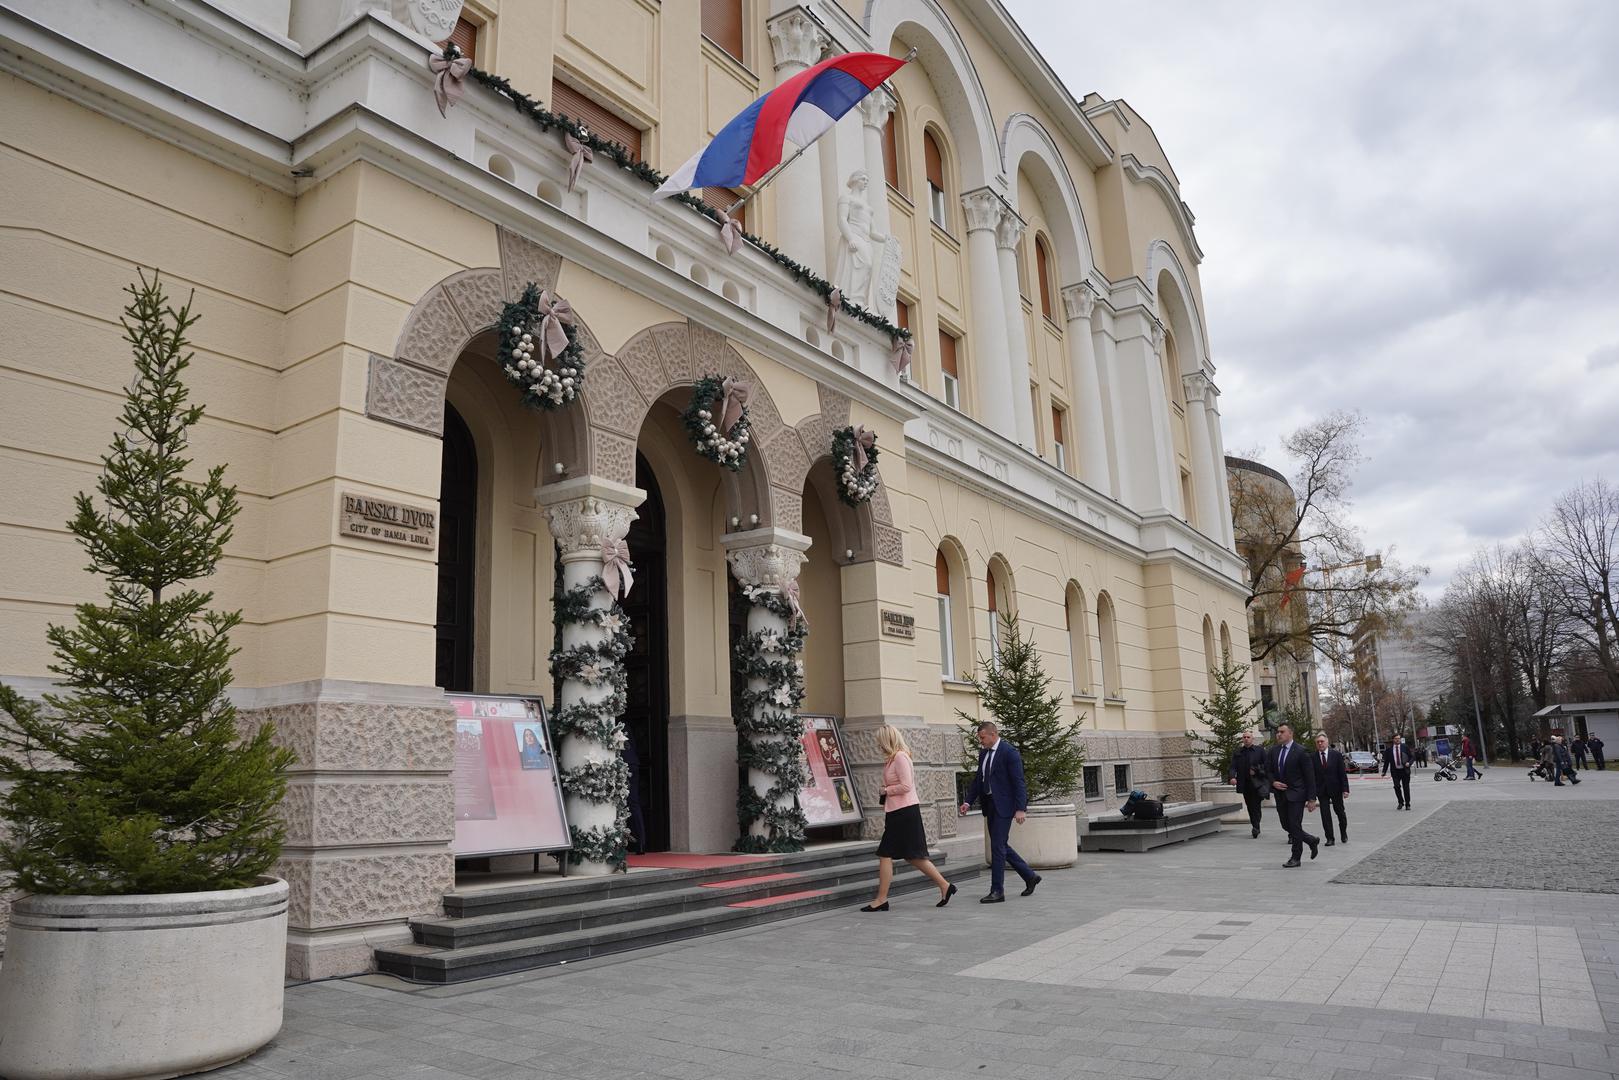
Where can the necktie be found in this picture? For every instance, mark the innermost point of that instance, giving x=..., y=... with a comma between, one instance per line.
x=989, y=763
x=1396, y=757
x=1323, y=760
x=1281, y=760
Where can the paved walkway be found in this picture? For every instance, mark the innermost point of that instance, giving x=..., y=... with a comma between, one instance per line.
x=1286, y=963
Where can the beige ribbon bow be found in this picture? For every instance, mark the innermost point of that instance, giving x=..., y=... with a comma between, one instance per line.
x=864, y=440
x=555, y=315
x=450, y=78
x=582, y=156
x=900, y=358
x=736, y=393
x=789, y=591
x=834, y=300
x=617, y=573
x=730, y=233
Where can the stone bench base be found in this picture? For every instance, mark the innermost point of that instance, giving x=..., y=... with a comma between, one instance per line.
x=1115, y=832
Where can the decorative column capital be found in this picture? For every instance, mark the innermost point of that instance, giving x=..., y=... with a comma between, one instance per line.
x=1078, y=301
x=876, y=107
x=1200, y=389
x=796, y=38
x=587, y=512
x=1009, y=231
x=1155, y=331
x=983, y=209
x=765, y=558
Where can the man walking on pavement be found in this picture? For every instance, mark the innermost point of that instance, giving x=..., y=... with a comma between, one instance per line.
x=1248, y=775
x=1562, y=762
x=1331, y=787
x=1467, y=756
x=999, y=788
x=1593, y=743
x=1397, y=764
x=1292, y=781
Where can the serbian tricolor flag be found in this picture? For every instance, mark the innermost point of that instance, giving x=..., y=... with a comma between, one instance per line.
x=799, y=111
x=1294, y=576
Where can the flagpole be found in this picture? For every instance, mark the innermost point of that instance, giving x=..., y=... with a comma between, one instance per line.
x=773, y=173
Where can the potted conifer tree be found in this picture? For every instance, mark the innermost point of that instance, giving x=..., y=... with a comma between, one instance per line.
x=134, y=803
x=1015, y=690
x=1224, y=715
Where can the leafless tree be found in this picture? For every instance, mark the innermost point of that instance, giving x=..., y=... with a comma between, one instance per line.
x=1578, y=548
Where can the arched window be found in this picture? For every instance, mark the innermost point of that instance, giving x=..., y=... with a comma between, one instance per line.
x=1079, y=641
x=938, y=203
x=1225, y=643
x=994, y=620
x=947, y=616
x=998, y=583
x=1209, y=662
x=892, y=174
x=1043, y=267
x=1107, y=636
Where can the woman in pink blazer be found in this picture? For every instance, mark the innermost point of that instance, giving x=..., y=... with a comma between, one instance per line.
x=903, y=835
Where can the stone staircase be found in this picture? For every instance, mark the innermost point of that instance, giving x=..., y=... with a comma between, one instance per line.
x=494, y=930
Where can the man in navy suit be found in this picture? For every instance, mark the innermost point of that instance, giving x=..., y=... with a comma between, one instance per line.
x=1331, y=787
x=998, y=787
x=1397, y=764
x=1292, y=779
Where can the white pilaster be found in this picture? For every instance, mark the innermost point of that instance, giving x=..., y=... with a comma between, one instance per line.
x=1090, y=436
x=1008, y=233
x=797, y=42
x=1205, y=470
x=875, y=109
x=997, y=407
x=1222, y=481
x=1142, y=416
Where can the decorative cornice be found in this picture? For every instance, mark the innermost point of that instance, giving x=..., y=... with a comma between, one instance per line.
x=1155, y=178
x=797, y=37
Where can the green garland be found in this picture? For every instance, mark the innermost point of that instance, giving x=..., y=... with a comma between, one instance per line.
x=768, y=727
x=620, y=155
x=728, y=448
x=544, y=387
x=596, y=722
x=855, y=486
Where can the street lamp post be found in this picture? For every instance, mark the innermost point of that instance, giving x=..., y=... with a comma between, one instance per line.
x=1478, y=716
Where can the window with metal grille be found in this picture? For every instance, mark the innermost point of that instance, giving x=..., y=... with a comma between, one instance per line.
x=1093, y=781
x=607, y=125
x=1121, y=779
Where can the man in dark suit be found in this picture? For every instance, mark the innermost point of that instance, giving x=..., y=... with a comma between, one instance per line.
x=1292, y=780
x=1331, y=787
x=1397, y=764
x=1247, y=774
x=999, y=788
x=1562, y=762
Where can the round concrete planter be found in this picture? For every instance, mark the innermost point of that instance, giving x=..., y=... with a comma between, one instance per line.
x=141, y=987
x=1048, y=839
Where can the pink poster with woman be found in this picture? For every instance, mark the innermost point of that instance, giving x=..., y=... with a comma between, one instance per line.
x=508, y=797
x=828, y=798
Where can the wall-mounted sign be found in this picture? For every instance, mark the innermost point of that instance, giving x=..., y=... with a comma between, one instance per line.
x=828, y=798
x=508, y=797
x=370, y=518
x=898, y=624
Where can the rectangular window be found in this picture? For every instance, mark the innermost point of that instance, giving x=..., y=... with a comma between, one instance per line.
x=570, y=102
x=722, y=24
x=902, y=319
x=1059, y=438
x=935, y=170
x=891, y=156
x=1093, y=781
x=721, y=198
x=1121, y=779
x=1267, y=699
x=465, y=38
x=949, y=370
x=936, y=207
x=947, y=651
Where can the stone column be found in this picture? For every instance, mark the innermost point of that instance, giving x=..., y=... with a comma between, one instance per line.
x=1221, y=481
x=797, y=42
x=995, y=392
x=1105, y=342
x=1008, y=233
x=767, y=560
x=1205, y=471
x=583, y=514
x=1090, y=441
x=1143, y=417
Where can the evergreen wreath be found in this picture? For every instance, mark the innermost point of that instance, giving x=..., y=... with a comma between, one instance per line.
x=702, y=417
x=855, y=486
x=768, y=728
x=597, y=722
x=544, y=386
x=620, y=155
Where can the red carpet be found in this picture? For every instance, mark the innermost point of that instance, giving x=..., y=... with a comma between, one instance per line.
x=766, y=901
x=685, y=860
x=728, y=882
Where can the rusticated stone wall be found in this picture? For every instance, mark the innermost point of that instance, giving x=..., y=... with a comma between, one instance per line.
x=935, y=757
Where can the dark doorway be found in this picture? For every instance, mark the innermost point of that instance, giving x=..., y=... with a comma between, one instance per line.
x=646, y=714
x=457, y=554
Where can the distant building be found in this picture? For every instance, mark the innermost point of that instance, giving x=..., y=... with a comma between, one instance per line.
x=1403, y=660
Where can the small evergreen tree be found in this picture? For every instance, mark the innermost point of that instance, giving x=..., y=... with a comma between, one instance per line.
x=1224, y=716
x=1015, y=690
x=136, y=780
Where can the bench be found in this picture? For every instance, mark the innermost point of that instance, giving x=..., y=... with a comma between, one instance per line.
x=1113, y=831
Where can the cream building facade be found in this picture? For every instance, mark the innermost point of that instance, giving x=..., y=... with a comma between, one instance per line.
x=1055, y=449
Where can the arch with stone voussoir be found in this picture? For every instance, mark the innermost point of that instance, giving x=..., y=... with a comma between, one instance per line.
x=598, y=437
x=1027, y=146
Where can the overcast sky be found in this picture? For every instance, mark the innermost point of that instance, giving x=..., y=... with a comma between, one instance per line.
x=1408, y=208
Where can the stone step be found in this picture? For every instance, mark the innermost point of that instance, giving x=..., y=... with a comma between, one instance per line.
x=425, y=963
x=458, y=933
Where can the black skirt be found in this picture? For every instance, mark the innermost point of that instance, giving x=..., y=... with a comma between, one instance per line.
x=903, y=835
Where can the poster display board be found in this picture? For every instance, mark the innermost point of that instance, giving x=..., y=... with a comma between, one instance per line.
x=508, y=796
x=828, y=798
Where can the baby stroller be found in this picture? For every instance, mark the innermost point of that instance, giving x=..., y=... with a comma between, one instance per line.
x=1444, y=769
x=1541, y=771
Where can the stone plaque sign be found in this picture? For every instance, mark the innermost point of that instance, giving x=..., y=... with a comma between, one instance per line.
x=898, y=624
x=367, y=518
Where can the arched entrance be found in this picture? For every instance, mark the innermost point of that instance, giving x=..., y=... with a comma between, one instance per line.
x=457, y=555
x=646, y=713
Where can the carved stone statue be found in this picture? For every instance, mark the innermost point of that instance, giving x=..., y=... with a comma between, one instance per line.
x=857, y=242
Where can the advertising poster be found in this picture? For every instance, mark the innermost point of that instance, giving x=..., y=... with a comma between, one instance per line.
x=508, y=798
x=828, y=798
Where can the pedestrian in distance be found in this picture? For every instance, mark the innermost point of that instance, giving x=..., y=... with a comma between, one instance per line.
x=1467, y=756
x=903, y=835
x=1593, y=743
x=1421, y=754
x=1247, y=774
x=999, y=789
x=1331, y=788
x=1397, y=766
x=1292, y=780
x=1562, y=762
x=1535, y=749
x=1579, y=747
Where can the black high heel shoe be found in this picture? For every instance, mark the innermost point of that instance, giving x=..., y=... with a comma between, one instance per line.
x=880, y=907
x=948, y=894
